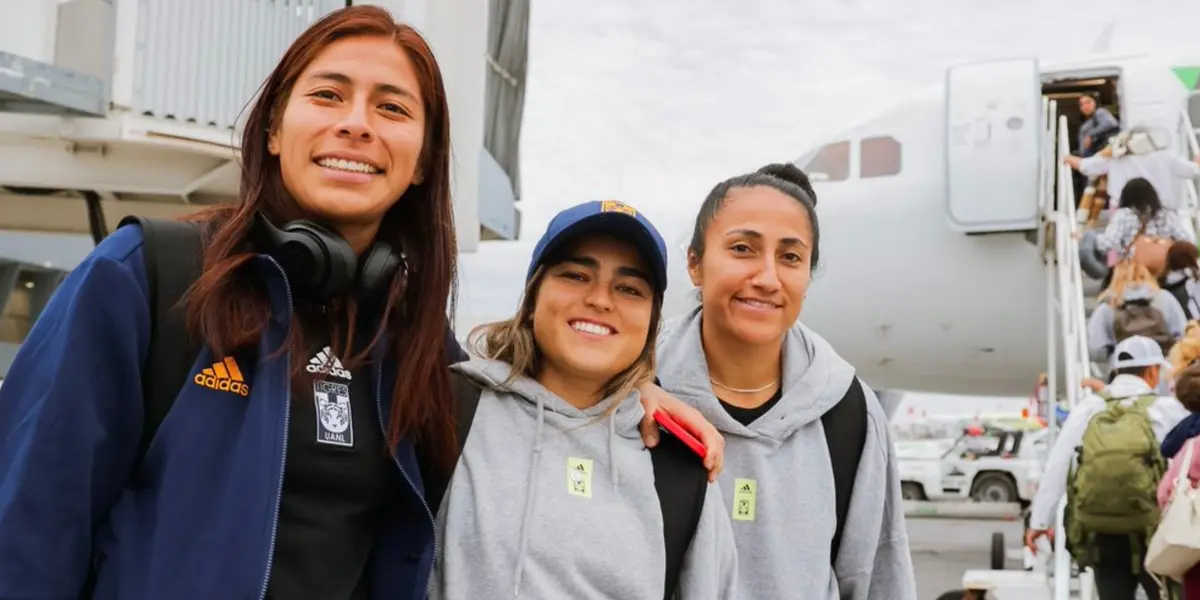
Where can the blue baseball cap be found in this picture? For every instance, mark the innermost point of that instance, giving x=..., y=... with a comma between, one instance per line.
x=604, y=217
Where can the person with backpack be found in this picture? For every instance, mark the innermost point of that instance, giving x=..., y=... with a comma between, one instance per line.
x=1185, y=433
x=245, y=404
x=1182, y=277
x=1113, y=438
x=811, y=477
x=554, y=495
x=1133, y=304
x=1141, y=229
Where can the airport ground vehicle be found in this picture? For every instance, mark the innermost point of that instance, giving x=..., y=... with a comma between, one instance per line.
x=996, y=465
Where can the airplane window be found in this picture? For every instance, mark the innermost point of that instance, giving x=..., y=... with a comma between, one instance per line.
x=880, y=157
x=831, y=163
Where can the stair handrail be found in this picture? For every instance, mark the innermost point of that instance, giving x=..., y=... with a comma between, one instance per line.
x=1191, y=198
x=1073, y=327
x=1071, y=298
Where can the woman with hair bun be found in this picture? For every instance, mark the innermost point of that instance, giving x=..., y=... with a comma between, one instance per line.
x=810, y=474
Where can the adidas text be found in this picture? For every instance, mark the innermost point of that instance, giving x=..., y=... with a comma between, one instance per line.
x=222, y=385
x=223, y=376
x=334, y=370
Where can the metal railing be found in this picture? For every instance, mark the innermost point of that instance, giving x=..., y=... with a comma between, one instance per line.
x=1191, y=199
x=1068, y=306
x=1072, y=311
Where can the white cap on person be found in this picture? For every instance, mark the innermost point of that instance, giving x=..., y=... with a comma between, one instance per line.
x=1138, y=351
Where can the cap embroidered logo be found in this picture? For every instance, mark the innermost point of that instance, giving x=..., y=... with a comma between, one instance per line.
x=616, y=206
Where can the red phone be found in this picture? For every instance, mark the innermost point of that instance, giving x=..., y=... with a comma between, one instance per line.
x=671, y=425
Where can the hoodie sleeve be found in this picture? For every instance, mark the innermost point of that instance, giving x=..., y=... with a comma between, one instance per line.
x=70, y=420
x=1184, y=169
x=1094, y=166
x=1103, y=122
x=874, y=562
x=1053, y=484
x=710, y=567
x=1100, y=337
x=1172, y=313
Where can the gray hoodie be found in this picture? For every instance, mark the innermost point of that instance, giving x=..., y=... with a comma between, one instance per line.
x=552, y=502
x=784, y=544
x=1101, y=337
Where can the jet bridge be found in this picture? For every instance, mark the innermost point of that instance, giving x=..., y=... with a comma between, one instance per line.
x=108, y=102
x=116, y=107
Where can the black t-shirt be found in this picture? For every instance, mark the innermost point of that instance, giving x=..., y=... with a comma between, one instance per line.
x=338, y=483
x=746, y=416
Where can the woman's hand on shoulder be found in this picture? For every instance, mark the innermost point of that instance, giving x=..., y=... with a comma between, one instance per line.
x=655, y=398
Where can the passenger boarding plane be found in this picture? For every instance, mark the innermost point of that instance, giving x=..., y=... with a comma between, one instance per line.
x=932, y=275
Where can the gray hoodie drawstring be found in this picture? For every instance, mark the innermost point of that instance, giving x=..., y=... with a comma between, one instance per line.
x=530, y=491
x=612, y=453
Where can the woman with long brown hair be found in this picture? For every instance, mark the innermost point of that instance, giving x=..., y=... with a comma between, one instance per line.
x=288, y=465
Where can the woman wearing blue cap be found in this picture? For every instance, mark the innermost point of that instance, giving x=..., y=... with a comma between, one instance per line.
x=555, y=495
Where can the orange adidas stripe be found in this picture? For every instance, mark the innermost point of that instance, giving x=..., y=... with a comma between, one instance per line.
x=234, y=371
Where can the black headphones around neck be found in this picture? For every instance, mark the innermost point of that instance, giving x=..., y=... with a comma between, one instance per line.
x=321, y=265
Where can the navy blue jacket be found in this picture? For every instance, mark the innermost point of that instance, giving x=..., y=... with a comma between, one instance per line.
x=198, y=518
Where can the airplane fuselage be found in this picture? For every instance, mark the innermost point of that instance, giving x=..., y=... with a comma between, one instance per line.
x=913, y=302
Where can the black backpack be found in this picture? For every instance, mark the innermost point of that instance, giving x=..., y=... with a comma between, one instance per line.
x=1179, y=290
x=173, y=254
x=681, y=480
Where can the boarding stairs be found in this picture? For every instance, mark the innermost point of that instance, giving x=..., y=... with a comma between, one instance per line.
x=1071, y=294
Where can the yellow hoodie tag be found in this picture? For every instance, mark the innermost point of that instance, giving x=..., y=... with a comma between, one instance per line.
x=579, y=477
x=744, y=491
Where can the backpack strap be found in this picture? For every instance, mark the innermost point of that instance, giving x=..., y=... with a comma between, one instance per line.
x=1144, y=401
x=846, y=433
x=680, y=480
x=173, y=254
x=466, y=399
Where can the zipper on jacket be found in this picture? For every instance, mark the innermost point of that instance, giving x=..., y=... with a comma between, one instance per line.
x=287, y=414
x=411, y=485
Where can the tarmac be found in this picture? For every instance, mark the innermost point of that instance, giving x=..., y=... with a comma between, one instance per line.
x=942, y=549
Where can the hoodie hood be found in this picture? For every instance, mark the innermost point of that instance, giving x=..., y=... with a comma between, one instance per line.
x=624, y=422
x=1173, y=278
x=814, y=378
x=1138, y=292
x=533, y=510
x=779, y=481
x=1184, y=431
x=491, y=375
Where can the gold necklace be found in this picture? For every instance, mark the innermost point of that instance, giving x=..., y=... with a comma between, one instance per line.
x=738, y=391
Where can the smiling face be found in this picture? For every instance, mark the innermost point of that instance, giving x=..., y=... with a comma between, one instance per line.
x=350, y=137
x=593, y=312
x=755, y=268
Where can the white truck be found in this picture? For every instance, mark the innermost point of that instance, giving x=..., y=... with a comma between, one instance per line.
x=996, y=465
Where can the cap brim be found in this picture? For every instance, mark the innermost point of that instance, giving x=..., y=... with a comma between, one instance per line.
x=618, y=225
x=1141, y=362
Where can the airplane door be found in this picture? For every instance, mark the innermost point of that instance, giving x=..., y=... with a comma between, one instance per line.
x=993, y=145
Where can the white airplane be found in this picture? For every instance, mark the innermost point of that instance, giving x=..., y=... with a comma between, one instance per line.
x=932, y=275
